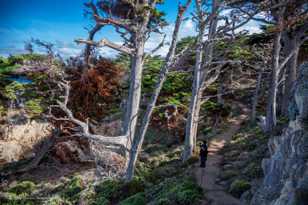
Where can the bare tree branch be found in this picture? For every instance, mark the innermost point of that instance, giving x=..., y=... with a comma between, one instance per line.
x=107, y=43
x=108, y=140
x=159, y=46
x=125, y=24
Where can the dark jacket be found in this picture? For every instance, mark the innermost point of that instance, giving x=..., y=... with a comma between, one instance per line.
x=203, y=154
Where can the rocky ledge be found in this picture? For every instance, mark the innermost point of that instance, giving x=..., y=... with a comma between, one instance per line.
x=286, y=170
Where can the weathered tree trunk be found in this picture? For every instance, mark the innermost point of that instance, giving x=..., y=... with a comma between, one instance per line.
x=138, y=140
x=134, y=96
x=220, y=91
x=199, y=78
x=87, y=50
x=271, y=118
x=196, y=119
x=190, y=130
x=256, y=96
x=291, y=71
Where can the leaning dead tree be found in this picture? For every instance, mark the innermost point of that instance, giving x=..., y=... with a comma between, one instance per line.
x=135, y=22
x=84, y=126
x=207, y=71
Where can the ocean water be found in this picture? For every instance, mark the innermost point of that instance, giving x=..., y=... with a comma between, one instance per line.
x=20, y=79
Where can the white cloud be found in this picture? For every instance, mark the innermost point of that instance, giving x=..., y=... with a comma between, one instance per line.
x=107, y=52
x=69, y=51
x=252, y=27
x=187, y=29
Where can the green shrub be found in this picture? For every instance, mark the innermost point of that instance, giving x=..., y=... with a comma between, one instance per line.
x=24, y=187
x=211, y=106
x=142, y=170
x=19, y=194
x=137, y=199
x=130, y=188
x=212, y=89
x=11, y=89
x=3, y=61
x=15, y=59
x=238, y=187
x=73, y=188
x=114, y=190
x=225, y=175
x=214, y=107
x=192, y=160
x=181, y=191
x=6, y=69
x=57, y=200
x=206, y=130
x=2, y=110
x=33, y=107
x=184, y=42
x=38, y=77
x=283, y=120
x=15, y=200
x=108, y=189
x=257, y=131
x=237, y=136
x=177, y=82
x=244, y=142
x=238, y=52
x=34, y=57
x=254, y=170
x=100, y=200
x=160, y=173
x=151, y=69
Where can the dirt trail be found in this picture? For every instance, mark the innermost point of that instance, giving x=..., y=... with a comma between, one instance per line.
x=207, y=180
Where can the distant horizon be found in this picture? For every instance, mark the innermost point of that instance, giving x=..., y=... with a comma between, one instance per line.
x=61, y=22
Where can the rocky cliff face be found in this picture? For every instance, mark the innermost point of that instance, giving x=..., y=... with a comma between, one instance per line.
x=286, y=171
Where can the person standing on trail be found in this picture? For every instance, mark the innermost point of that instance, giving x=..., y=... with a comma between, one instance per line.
x=203, y=157
x=203, y=154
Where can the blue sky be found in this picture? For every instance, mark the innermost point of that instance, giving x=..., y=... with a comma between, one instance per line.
x=60, y=22
x=57, y=21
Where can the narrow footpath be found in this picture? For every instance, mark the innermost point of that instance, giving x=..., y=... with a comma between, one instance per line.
x=214, y=193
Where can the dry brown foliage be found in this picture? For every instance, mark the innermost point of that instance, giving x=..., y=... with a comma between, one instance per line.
x=95, y=91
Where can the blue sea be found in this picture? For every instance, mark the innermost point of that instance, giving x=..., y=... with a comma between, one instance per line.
x=20, y=79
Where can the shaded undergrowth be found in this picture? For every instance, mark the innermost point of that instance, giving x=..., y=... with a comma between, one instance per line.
x=243, y=155
x=161, y=178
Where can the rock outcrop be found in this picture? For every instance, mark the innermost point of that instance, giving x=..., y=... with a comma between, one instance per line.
x=286, y=171
x=21, y=138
